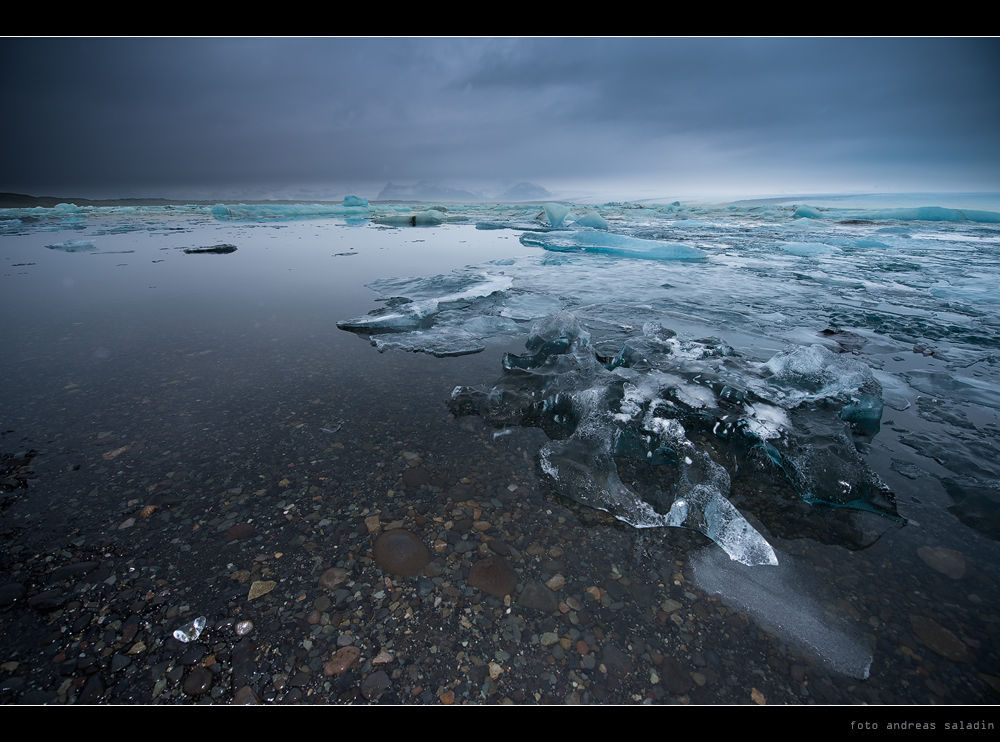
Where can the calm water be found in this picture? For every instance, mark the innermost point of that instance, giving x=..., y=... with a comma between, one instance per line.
x=117, y=337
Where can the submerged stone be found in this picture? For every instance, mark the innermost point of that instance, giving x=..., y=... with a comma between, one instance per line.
x=400, y=552
x=493, y=575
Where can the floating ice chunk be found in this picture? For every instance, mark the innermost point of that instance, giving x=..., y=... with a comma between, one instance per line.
x=593, y=219
x=530, y=306
x=936, y=214
x=556, y=214
x=611, y=244
x=808, y=212
x=73, y=245
x=809, y=249
x=560, y=326
x=428, y=218
x=815, y=372
x=780, y=599
x=355, y=201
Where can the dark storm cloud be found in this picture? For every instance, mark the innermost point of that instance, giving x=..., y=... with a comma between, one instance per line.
x=123, y=117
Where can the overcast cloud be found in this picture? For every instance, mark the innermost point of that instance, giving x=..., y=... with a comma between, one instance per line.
x=322, y=117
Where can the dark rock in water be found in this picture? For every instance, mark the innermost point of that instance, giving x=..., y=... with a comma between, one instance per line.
x=400, y=552
x=333, y=578
x=246, y=696
x=938, y=639
x=11, y=592
x=615, y=660
x=48, y=600
x=375, y=685
x=241, y=530
x=217, y=249
x=93, y=691
x=946, y=561
x=198, y=682
x=73, y=570
x=674, y=678
x=538, y=596
x=416, y=477
x=493, y=575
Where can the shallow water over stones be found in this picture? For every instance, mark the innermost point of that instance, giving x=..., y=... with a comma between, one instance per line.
x=250, y=409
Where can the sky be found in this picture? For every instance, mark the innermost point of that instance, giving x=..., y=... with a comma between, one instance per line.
x=583, y=117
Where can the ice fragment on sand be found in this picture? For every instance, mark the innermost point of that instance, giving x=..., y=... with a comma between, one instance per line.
x=190, y=632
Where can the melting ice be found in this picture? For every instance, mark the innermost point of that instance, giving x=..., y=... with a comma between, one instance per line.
x=723, y=370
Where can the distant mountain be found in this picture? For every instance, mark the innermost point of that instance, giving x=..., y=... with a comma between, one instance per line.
x=425, y=191
x=525, y=192
x=428, y=191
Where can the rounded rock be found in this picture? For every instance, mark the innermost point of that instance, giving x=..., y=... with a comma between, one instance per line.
x=493, y=575
x=341, y=662
x=400, y=552
x=198, y=682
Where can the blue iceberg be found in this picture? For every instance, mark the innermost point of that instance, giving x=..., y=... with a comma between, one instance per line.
x=617, y=245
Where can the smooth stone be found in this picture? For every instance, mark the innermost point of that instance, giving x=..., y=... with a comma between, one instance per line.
x=673, y=677
x=246, y=696
x=11, y=593
x=341, y=661
x=198, y=682
x=615, y=660
x=938, y=639
x=375, y=684
x=261, y=587
x=333, y=578
x=400, y=552
x=235, y=533
x=493, y=575
x=416, y=476
x=946, y=561
x=536, y=595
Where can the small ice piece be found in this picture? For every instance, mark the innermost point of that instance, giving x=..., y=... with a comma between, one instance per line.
x=593, y=219
x=815, y=373
x=808, y=212
x=73, y=245
x=809, y=249
x=355, y=201
x=190, y=632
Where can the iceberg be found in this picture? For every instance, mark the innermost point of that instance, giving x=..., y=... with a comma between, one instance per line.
x=616, y=245
x=592, y=219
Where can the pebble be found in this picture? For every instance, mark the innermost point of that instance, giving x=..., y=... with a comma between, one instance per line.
x=198, y=682
x=400, y=552
x=946, y=561
x=493, y=575
x=940, y=640
x=260, y=587
x=538, y=596
x=341, y=661
x=333, y=578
